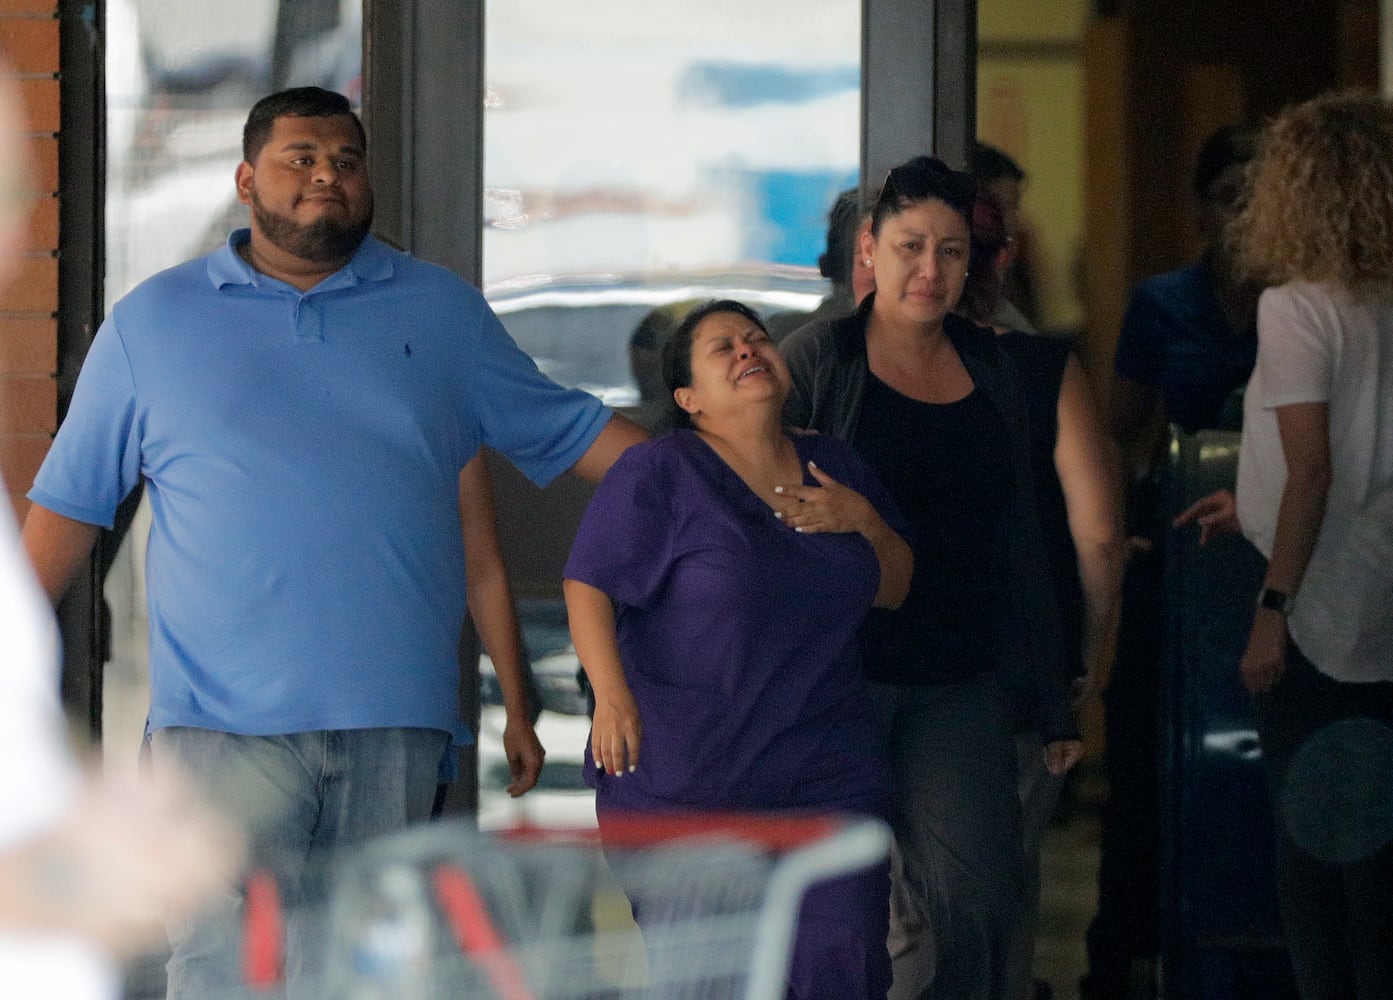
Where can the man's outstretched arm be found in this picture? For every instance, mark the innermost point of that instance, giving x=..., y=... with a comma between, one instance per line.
x=618, y=434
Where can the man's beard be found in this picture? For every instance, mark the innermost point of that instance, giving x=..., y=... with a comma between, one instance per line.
x=324, y=241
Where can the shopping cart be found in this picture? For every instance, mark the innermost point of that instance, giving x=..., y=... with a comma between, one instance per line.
x=443, y=911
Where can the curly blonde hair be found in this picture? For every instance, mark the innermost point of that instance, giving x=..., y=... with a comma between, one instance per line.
x=1321, y=202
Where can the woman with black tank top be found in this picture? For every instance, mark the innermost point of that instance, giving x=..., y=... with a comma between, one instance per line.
x=937, y=409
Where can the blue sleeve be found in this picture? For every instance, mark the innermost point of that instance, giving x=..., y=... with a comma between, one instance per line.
x=1139, y=343
x=625, y=540
x=95, y=460
x=541, y=427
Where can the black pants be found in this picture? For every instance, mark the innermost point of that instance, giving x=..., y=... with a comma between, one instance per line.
x=1126, y=923
x=1328, y=749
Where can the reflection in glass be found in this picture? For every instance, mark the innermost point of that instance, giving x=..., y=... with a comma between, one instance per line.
x=658, y=154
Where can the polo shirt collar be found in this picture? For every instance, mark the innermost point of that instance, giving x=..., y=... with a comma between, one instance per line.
x=373, y=261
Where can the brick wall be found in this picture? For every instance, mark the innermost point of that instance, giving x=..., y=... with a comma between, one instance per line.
x=29, y=295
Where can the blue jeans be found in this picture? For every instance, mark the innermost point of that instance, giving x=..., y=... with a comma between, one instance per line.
x=300, y=798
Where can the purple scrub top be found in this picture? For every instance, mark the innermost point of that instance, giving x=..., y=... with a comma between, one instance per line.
x=737, y=634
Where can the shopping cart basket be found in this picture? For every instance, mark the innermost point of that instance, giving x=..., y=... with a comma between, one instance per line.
x=443, y=911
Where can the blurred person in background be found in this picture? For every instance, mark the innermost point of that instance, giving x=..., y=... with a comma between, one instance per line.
x=1186, y=348
x=1079, y=496
x=1004, y=180
x=1315, y=497
x=839, y=263
x=1189, y=336
x=654, y=410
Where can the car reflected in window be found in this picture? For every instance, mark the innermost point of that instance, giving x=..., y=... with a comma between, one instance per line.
x=583, y=330
x=561, y=797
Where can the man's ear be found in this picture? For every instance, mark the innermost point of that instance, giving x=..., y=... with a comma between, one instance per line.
x=243, y=178
x=1003, y=260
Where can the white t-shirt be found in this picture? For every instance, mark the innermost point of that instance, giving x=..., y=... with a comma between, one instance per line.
x=1320, y=344
x=38, y=777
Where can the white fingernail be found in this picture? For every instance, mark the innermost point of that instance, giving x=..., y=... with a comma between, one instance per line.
x=778, y=489
x=633, y=768
x=779, y=514
x=799, y=530
x=812, y=465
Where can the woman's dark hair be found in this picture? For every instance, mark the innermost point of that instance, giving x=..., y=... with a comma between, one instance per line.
x=302, y=102
x=677, y=350
x=923, y=179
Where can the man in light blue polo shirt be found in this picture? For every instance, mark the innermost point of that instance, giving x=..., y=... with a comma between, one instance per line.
x=300, y=404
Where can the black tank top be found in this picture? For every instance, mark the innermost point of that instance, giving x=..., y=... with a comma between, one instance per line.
x=1041, y=361
x=947, y=467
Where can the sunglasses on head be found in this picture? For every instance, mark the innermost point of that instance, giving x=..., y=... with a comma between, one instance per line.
x=927, y=177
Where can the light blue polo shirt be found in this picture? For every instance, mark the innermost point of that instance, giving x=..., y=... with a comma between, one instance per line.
x=305, y=568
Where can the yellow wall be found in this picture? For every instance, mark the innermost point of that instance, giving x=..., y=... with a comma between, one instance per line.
x=1039, y=20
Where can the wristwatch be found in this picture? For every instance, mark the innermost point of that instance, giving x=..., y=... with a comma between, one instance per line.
x=1275, y=600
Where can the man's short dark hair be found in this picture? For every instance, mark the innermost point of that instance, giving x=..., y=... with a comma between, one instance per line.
x=991, y=164
x=302, y=102
x=842, y=222
x=1227, y=146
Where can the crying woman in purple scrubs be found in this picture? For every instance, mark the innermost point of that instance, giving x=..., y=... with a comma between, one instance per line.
x=715, y=590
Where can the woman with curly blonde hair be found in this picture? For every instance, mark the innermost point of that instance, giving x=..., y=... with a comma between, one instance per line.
x=1315, y=495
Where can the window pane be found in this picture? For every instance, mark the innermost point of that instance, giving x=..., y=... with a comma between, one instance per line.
x=640, y=154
